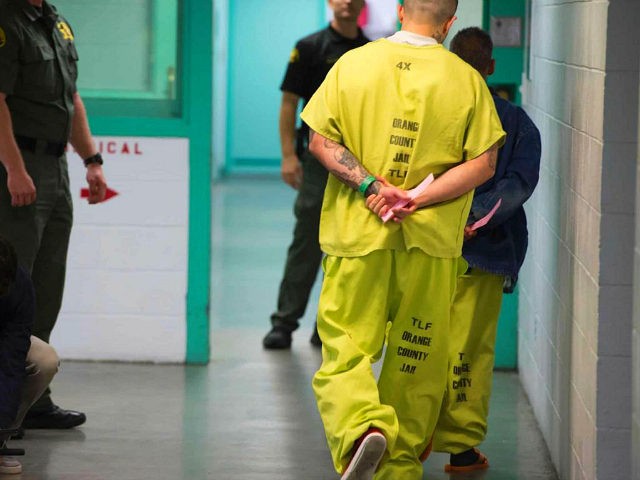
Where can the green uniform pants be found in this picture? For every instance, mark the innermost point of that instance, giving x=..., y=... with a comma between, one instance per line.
x=360, y=295
x=304, y=255
x=474, y=319
x=40, y=234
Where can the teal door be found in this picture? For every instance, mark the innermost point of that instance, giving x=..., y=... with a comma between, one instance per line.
x=146, y=72
x=261, y=37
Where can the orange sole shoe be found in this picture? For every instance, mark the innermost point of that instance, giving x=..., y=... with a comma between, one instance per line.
x=480, y=464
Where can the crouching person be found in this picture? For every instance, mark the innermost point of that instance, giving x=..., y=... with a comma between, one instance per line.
x=27, y=364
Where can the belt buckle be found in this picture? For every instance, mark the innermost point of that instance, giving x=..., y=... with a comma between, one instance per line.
x=39, y=146
x=55, y=149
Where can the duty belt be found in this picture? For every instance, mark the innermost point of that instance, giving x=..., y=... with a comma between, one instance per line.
x=35, y=145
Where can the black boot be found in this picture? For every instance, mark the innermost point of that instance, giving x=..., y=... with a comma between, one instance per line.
x=277, y=339
x=315, y=338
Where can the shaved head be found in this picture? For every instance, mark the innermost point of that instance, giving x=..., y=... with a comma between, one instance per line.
x=435, y=12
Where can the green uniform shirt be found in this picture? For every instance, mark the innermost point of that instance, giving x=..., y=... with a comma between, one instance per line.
x=404, y=111
x=38, y=69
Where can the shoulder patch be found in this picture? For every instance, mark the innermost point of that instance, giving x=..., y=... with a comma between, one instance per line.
x=3, y=38
x=65, y=31
x=295, y=56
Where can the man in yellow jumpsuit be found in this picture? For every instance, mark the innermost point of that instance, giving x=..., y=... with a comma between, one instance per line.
x=495, y=253
x=400, y=108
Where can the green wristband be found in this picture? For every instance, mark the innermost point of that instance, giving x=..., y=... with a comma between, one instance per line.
x=366, y=183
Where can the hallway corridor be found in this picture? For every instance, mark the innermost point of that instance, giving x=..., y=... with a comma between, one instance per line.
x=250, y=414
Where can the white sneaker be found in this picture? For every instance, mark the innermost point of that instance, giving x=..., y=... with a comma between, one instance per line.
x=9, y=465
x=367, y=456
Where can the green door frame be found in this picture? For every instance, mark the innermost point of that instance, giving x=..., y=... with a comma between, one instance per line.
x=195, y=124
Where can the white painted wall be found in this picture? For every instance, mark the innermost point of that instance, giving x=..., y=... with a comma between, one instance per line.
x=576, y=289
x=469, y=14
x=127, y=267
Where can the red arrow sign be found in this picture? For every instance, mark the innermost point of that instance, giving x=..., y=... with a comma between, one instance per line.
x=84, y=193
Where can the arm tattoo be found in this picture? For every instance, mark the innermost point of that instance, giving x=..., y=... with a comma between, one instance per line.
x=353, y=172
x=373, y=189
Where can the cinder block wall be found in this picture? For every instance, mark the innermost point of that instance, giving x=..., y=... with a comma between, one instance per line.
x=635, y=425
x=636, y=340
x=617, y=239
x=576, y=287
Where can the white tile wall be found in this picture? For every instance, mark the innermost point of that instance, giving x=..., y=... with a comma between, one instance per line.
x=576, y=286
x=122, y=337
x=127, y=267
x=586, y=227
x=583, y=373
x=585, y=172
x=585, y=310
x=582, y=433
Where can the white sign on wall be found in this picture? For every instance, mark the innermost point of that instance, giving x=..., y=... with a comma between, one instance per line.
x=125, y=295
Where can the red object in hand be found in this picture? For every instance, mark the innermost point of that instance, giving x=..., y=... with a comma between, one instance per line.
x=84, y=193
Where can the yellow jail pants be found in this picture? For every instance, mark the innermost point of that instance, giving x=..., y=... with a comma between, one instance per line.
x=360, y=295
x=474, y=319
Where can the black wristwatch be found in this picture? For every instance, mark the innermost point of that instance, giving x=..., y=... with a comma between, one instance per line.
x=97, y=158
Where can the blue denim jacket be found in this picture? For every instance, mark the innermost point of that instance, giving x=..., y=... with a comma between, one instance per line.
x=500, y=246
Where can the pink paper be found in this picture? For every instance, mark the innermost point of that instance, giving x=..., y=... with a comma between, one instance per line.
x=484, y=220
x=413, y=193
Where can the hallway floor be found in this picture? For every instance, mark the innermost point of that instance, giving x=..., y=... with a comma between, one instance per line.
x=250, y=414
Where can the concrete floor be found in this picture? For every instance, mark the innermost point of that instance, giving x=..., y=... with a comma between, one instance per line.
x=249, y=414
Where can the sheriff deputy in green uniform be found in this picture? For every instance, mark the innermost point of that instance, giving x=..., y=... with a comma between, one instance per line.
x=310, y=61
x=40, y=112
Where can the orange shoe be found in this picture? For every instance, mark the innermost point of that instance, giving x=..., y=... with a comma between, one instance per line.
x=480, y=463
x=368, y=452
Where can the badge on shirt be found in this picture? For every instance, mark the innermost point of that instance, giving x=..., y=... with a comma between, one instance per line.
x=3, y=38
x=295, y=56
x=65, y=30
